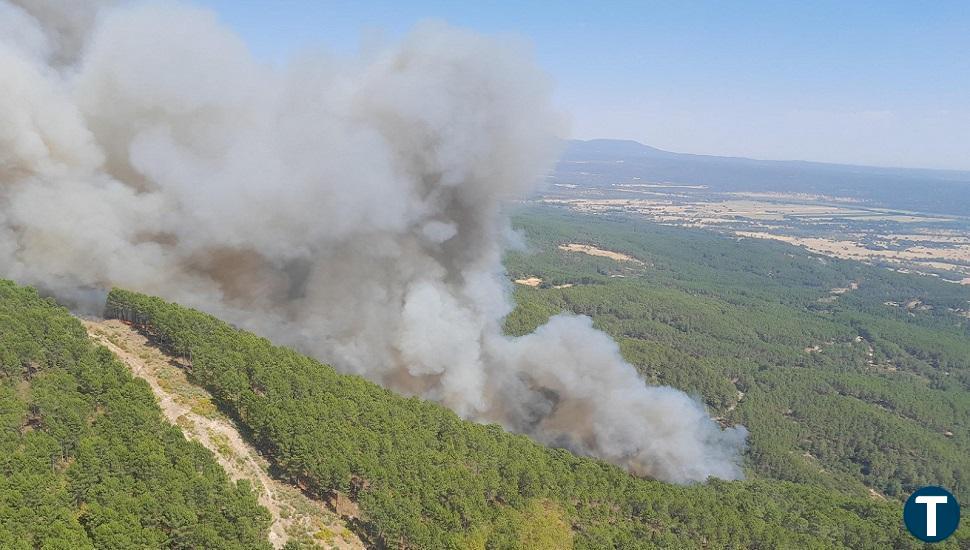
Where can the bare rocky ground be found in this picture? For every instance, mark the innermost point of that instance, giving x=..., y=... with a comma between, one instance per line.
x=294, y=515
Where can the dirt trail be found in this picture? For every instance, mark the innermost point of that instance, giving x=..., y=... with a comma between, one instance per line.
x=295, y=516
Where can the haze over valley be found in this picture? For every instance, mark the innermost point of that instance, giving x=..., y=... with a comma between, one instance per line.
x=906, y=219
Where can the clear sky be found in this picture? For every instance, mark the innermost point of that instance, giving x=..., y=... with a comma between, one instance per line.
x=882, y=83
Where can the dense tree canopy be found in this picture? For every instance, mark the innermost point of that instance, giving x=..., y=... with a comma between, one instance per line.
x=86, y=459
x=866, y=387
x=425, y=478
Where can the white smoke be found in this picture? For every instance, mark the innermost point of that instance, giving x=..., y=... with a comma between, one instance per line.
x=352, y=208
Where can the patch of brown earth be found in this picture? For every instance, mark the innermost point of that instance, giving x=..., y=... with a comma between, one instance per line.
x=594, y=251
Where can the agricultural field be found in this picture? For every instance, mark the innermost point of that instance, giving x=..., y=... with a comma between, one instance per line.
x=846, y=215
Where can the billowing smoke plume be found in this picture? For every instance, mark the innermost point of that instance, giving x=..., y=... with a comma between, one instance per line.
x=352, y=208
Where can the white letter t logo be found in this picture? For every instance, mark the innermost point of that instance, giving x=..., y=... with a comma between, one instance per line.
x=931, y=503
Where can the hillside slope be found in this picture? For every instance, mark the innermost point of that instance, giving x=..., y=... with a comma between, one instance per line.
x=86, y=459
x=296, y=519
x=424, y=478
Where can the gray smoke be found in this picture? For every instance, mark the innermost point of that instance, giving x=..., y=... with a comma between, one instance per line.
x=350, y=207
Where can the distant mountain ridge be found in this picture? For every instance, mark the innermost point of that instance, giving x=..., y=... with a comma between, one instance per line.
x=628, y=147
x=601, y=162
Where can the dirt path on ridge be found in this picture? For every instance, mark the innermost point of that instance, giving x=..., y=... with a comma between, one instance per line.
x=294, y=515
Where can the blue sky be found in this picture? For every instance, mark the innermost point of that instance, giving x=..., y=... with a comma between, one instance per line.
x=884, y=83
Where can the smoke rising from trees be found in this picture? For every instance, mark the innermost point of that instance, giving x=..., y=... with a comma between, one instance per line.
x=349, y=207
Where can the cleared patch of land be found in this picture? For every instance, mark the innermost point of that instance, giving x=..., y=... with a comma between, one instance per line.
x=536, y=281
x=295, y=517
x=594, y=251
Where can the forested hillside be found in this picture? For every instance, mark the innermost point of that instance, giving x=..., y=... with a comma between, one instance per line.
x=86, y=460
x=423, y=478
x=853, y=381
x=848, y=376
